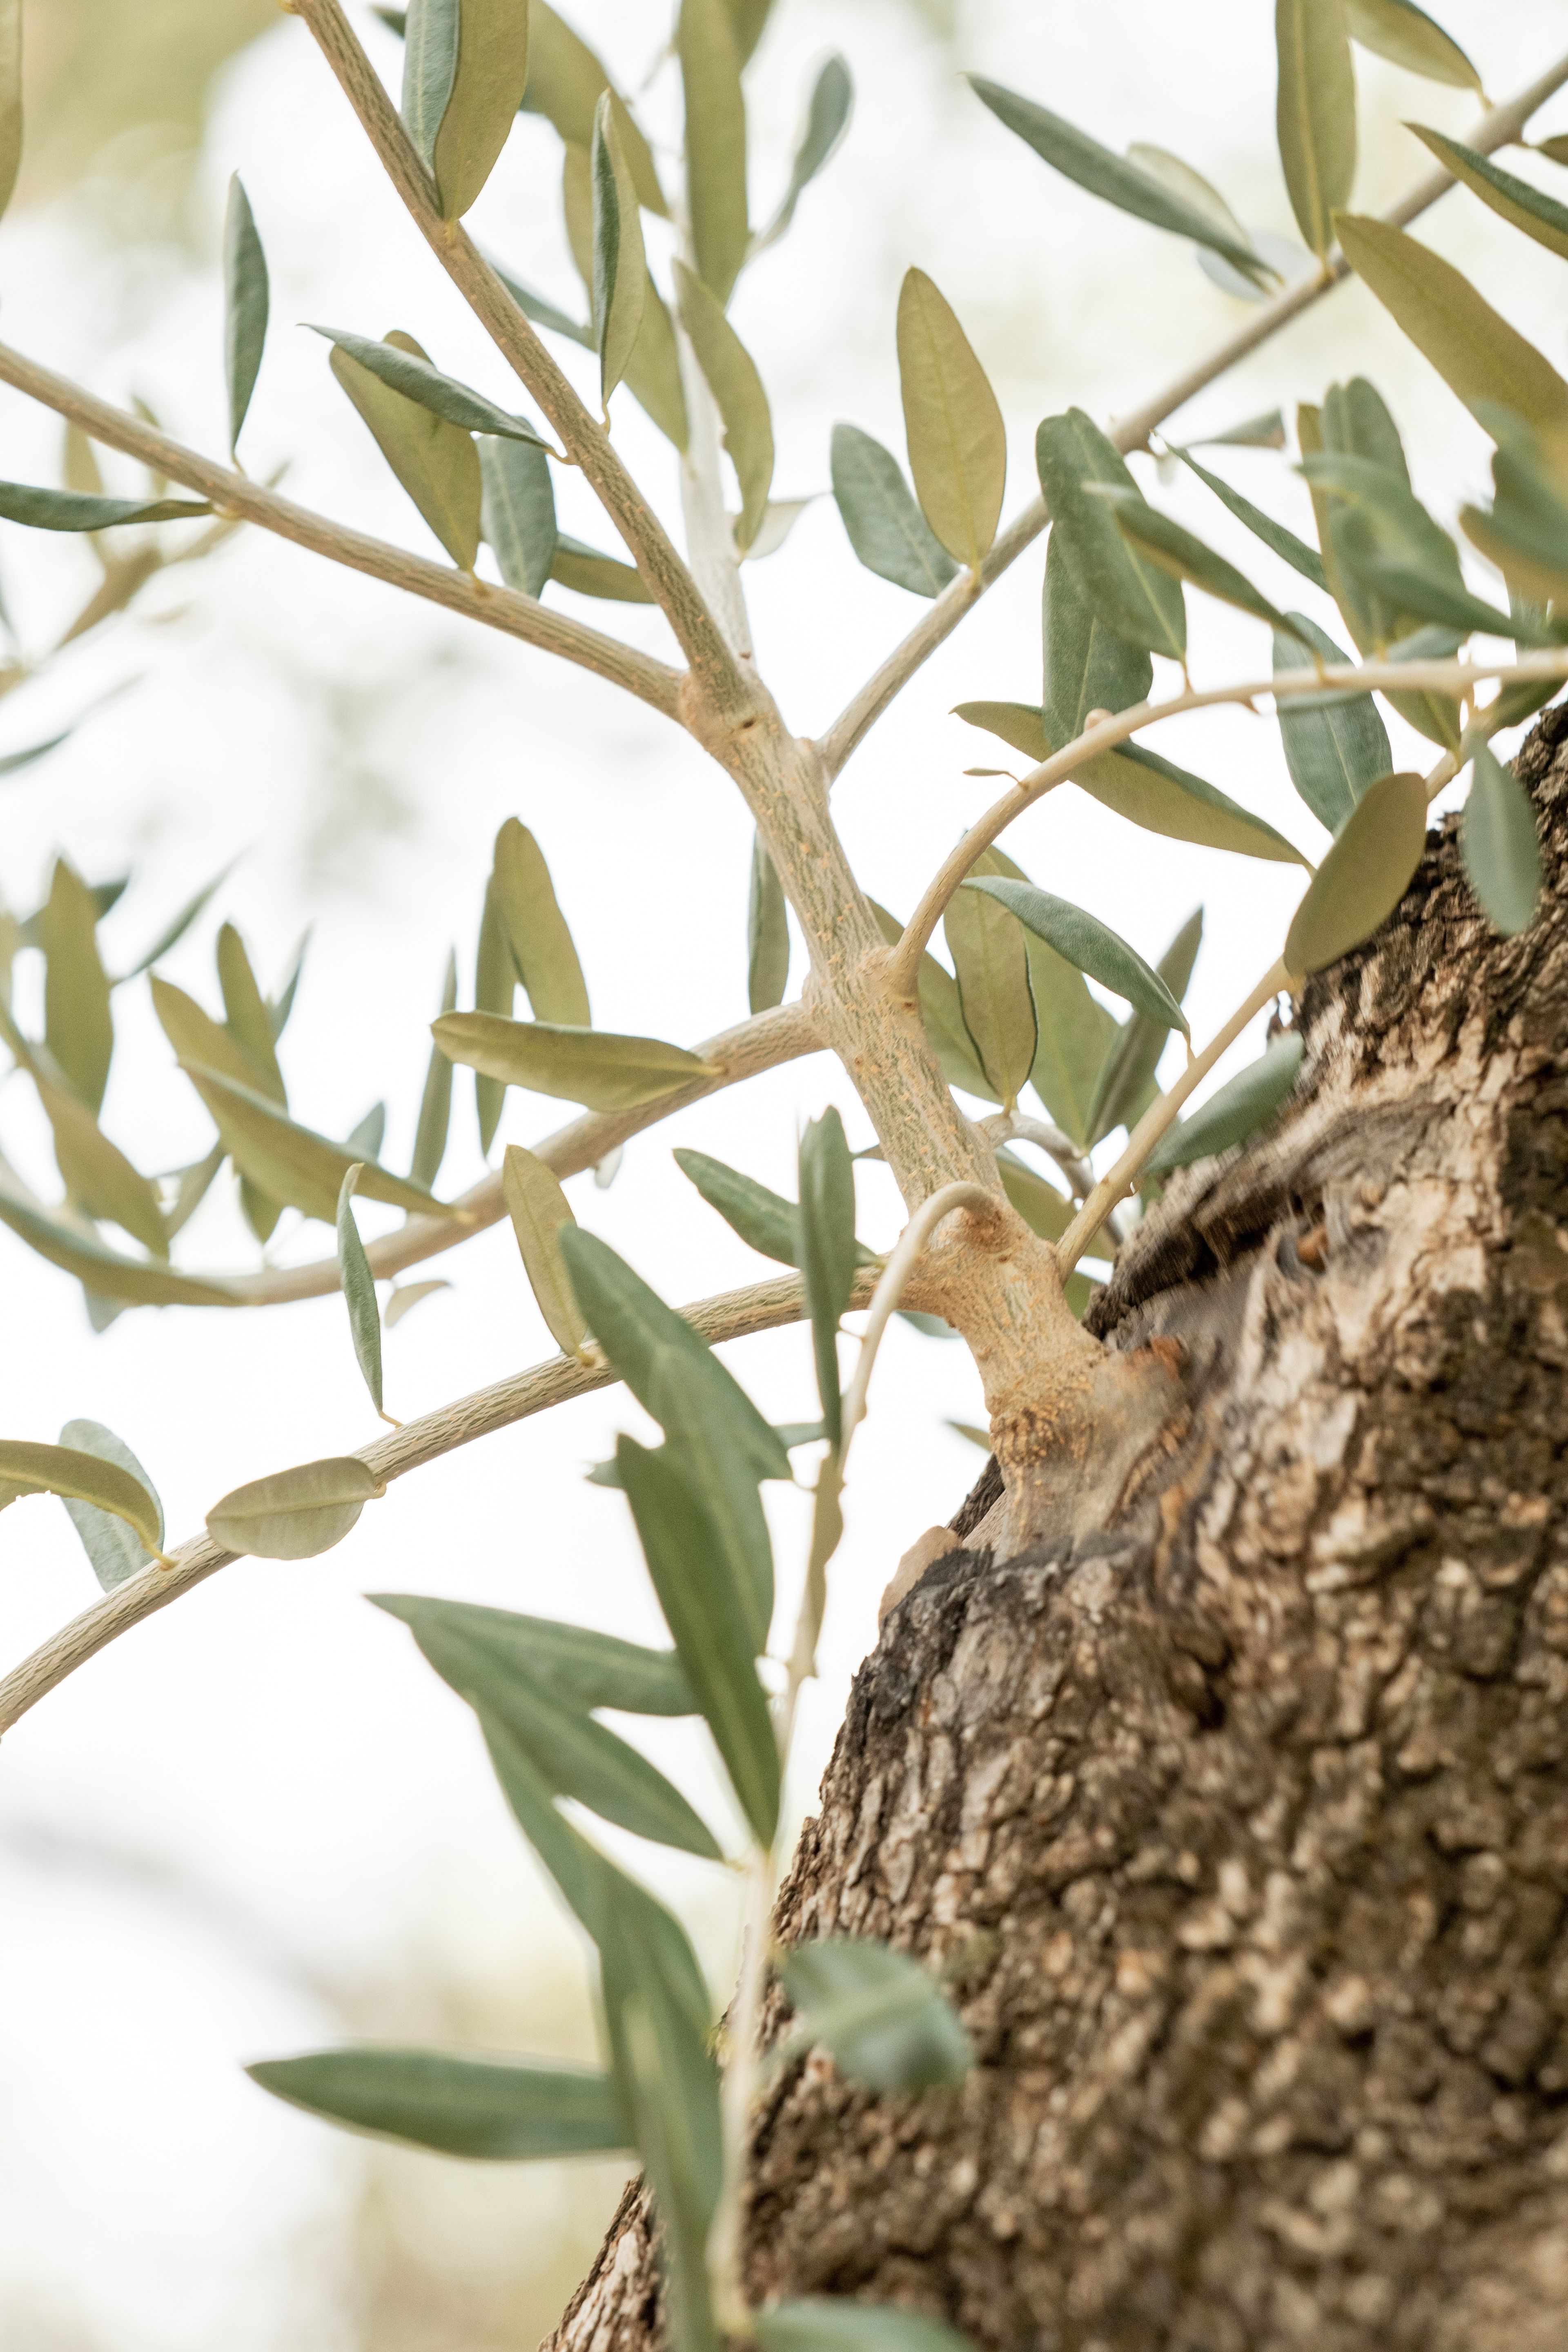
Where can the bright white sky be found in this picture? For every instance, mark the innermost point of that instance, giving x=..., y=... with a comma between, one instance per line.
x=264, y=1790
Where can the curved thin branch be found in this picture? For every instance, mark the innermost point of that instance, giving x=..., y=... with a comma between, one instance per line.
x=1013, y=1126
x=1419, y=676
x=699, y=636
x=233, y=494
x=1496, y=128
x=763, y=1306
x=893, y=1280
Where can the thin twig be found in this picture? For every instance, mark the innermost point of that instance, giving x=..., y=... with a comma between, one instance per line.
x=1013, y=1126
x=891, y=1283
x=1495, y=128
x=1417, y=676
x=736, y=1315
x=232, y=493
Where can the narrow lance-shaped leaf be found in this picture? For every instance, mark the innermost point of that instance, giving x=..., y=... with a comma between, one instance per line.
x=592, y=574
x=517, y=512
x=505, y=2110
x=1333, y=752
x=435, y=460
x=539, y=1208
x=544, y=313
x=10, y=96
x=175, y=929
x=826, y=118
x=579, y=1668
x=495, y=992
x=886, y=528
x=1539, y=215
x=368, y=1134
x=245, y=306
x=486, y=88
x=820, y=2322
x=290, y=1162
x=715, y=144
x=1364, y=875
x=1526, y=532
x=620, y=266
x=435, y=1103
x=564, y=80
x=294, y=1514
x=1503, y=855
x=669, y=2104
x=764, y=1219
x=591, y=1066
x=96, y=1173
x=957, y=442
x=827, y=1254
x=1281, y=542
x=535, y=928
x=43, y=509
x=1081, y=159
x=399, y=364
x=1179, y=552
x=1233, y=1111
x=991, y=961
x=359, y=1289
x=767, y=932
x=942, y=1017
x=79, y=1027
x=430, y=37
x=1086, y=665
x=196, y=1037
x=736, y=388
x=1133, y=597
x=404, y=1297
x=79, y=1477
x=1088, y=943
x=1407, y=36
x=102, y=1272
x=112, y=1546
x=247, y=1017
x=886, y=2023
x=1125, y=1083
x=1316, y=113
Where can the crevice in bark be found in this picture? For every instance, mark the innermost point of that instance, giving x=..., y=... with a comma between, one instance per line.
x=1240, y=1827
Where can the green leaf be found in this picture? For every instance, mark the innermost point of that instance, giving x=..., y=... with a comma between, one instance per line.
x=564, y=80
x=1315, y=114
x=1087, y=943
x=1083, y=160
x=590, y=573
x=747, y=20
x=689, y=1564
x=1020, y=724
x=435, y=1103
x=1364, y=875
x=503, y=2110
x=819, y=2323
x=1086, y=665
x=102, y=1271
x=81, y=1475
x=1526, y=532
x=886, y=528
x=545, y=314
x=400, y=364
x=1514, y=200
x=715, y=144
x=495, y=991
x=1555, y=150
x=767, y=932
x=671, y=2091
x=886, y=2023
x=1233, y=1111
x=487, y=85
x=1385, y=539
x=96, y=1173
x=75, y=511
x=575, y=1756
x=10, y=96
x=1478, y=354
x=294, y=1514
x=435, y=460
x=1076, y=1034
x=1502, y=855
x=1190, y=188
x=538, y=1209
x=430, y=38
x=1124, y=1086
x=591, y=1066
x=764, y=1220
x=404, y=1297
x=197, y=1038
x=110, y=1543
x=247, y=1017
x=827, y=1252
x=535, y=928
x=579, y=1668
x=1265, y=432
x=992, y=965
x=653, y=372
x=1153, y=793
x=175, y=929
x=517, y=512
x=713, y=1429
x=943, y=1016
x=281, y=1005
x=368, y=1134
x=359, y=1288
x=245, y=306
x=290, y=1162
x=737, y=389
x=1406, y=36
x=1333, y=750
x=1043, y=1209
x=78, y=1027
x=1274, y=535
x=1179, y=552
x=620, y=266
x=957, y=441
x=826, y=118
x=1131, y=596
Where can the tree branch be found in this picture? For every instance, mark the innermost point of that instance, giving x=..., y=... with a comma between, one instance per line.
x=701, y=640
x=651, y=681
x=763, y=1306
x=1496, y=128
x=1418, y=676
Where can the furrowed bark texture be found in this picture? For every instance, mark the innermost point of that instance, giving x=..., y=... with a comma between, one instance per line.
x=1240, y=1827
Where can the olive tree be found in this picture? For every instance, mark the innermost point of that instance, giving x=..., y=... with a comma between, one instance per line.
x=1177, y=1956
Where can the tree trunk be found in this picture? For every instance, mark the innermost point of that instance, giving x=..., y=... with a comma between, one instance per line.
x=1240, y=1827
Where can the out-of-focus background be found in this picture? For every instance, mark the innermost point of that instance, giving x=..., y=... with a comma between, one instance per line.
x=260, y=1823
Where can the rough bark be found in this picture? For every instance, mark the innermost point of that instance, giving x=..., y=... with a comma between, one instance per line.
x=1240, y=1827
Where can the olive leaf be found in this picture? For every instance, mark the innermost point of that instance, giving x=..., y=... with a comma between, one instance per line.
x=565, y=82
x=1364, y=875
x=10, y=96
x=991, y=962
x=593, y=574
x=886, y=2023
x=78, y=1026
x=825, y=1225
x=827, y=119
x=1087, y=942
x=1281, y=542
x=539, y=1208
x=1179, y=552
x=1124, y=1085
x=1336, y=745
x=43, y=509
x=102, y=1272
x=245, y=306
x=957, y=441
x=1387, y=540
x=291, y=1163
x=620, y=266
x=398, y=363
x=495, y=992
x=110, y=1543
x=715, y=144
x=885, y=527
x=943, y=1016
x=1233, y=1111
x=764, y=1219
x=501, y=2109
x=1086, y=665
x=247, y=1018
x=543, y=313
x=1407, y=36
x=83, y=1476
x=1133, y=597
x=1315, y=114
x=196, y=1037
x=737, y=389
x=1525, y=533
x=405, y=1295
x=358, y=1285
x=1514, y=200
x=591, y=1066
x=535, y=928
x=517, y=512
x=465, y=69
x=434, y=1105
x=97, y=1174
x=767, y=932
x=1503, y=855
x=435, y=459
x=576, y=1667
x=175, y=929
x=295, y=1514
